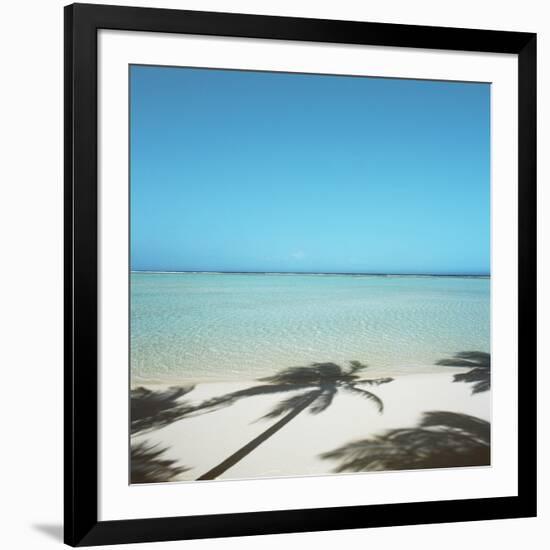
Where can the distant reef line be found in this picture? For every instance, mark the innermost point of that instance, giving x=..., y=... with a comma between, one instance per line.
x=353, y=274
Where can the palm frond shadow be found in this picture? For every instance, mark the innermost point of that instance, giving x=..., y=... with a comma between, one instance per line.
x=148, y=466
x=442, y=439
x=320, y=382
x=155, y=409
x=480, y=364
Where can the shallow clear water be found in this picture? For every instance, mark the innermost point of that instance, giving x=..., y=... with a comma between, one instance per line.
x=242, y=326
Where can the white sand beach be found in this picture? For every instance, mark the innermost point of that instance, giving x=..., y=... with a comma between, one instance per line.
x=200, y=442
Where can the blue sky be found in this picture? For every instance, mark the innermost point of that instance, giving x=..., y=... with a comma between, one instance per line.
x=256, y=171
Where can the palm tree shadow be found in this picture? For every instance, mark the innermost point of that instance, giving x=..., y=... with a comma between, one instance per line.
x=148, y=466
x=480, y=364
x=317, y=385
x=155, y=409
x=441, y=440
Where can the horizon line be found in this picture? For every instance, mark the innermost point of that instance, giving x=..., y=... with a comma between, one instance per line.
x=374, y=274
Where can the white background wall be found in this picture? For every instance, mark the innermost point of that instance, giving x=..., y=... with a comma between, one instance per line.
x=31, y=269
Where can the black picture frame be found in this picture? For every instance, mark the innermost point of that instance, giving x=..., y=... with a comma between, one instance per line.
x=82, y=22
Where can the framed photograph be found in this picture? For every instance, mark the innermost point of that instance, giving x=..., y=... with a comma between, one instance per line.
x=300, y=274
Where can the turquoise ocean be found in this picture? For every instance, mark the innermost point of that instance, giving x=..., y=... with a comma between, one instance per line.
x=218, y=326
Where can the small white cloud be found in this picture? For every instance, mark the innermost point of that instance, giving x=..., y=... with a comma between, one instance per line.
x=298, y=255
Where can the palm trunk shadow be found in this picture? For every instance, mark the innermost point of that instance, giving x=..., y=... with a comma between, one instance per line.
x=251, y=445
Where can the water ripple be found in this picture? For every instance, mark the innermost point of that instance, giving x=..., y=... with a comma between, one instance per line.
x=243, y=326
